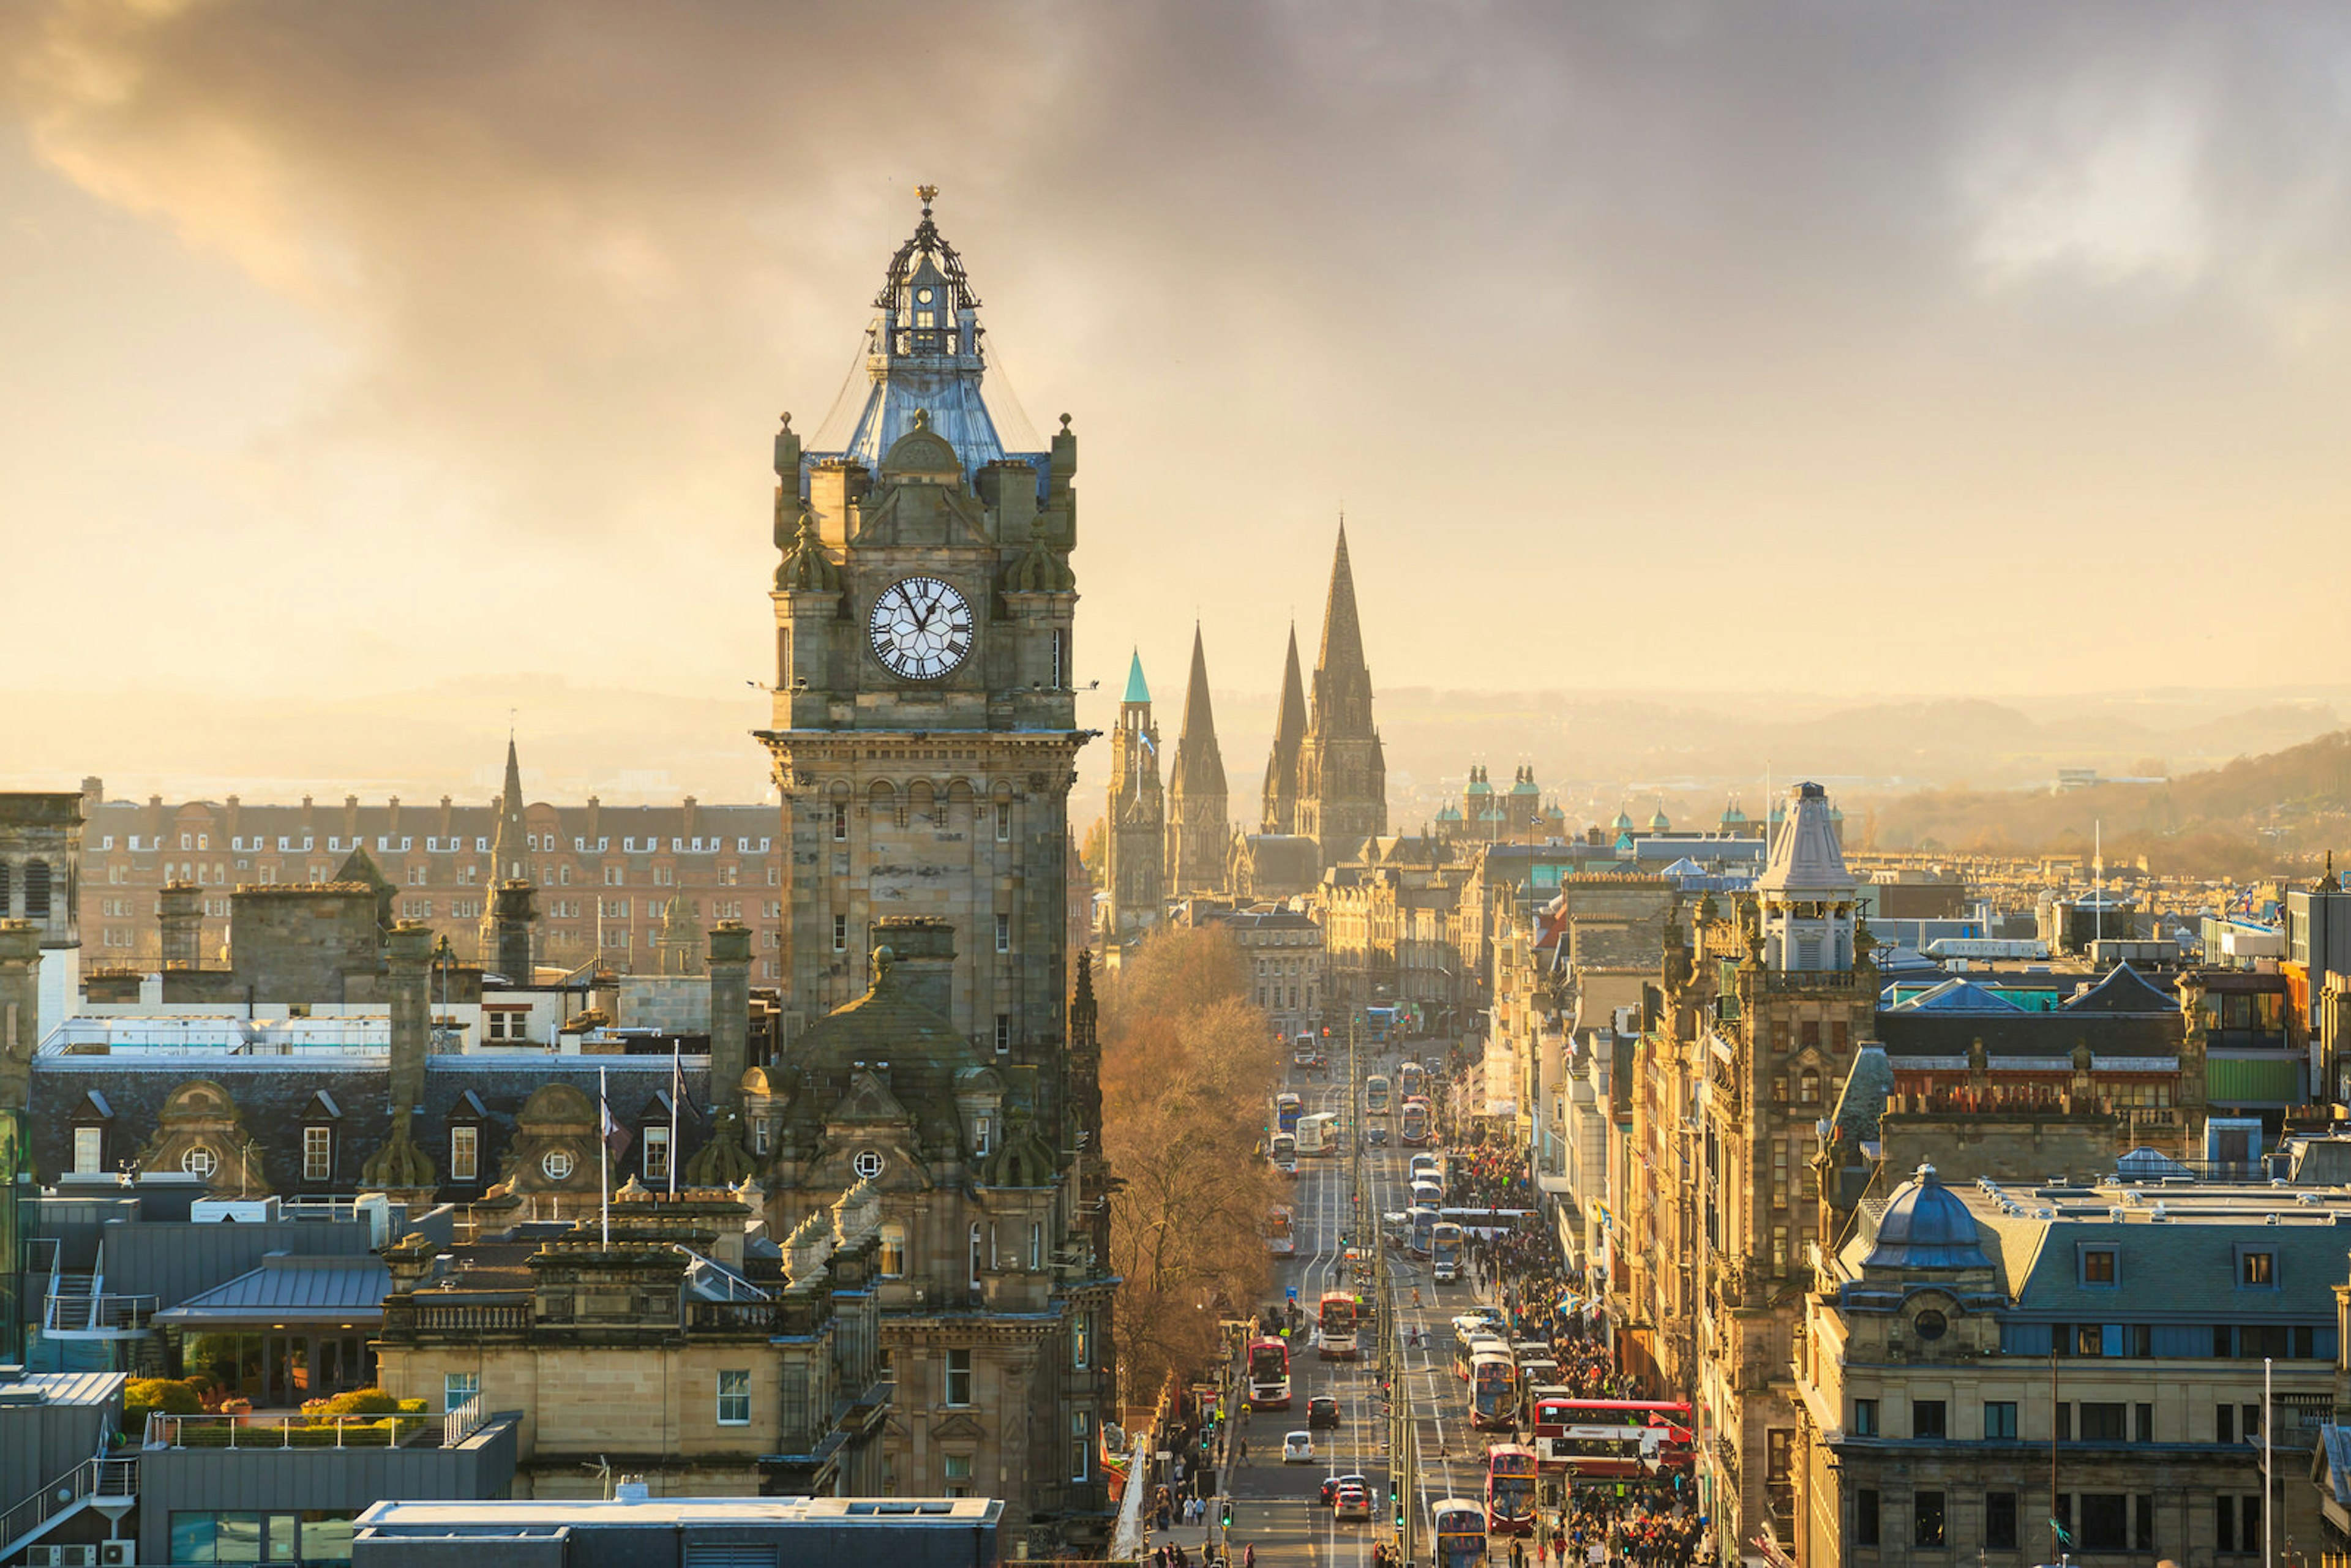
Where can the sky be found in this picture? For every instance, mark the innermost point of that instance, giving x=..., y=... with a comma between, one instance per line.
x=378, y=348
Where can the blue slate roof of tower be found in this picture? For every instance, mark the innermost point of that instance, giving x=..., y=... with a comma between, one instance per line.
x=925, y=350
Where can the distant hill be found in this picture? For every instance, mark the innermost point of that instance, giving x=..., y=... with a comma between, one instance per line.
x=2246, y=818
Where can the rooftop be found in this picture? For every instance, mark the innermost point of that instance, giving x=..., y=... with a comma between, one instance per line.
x=505, y=1515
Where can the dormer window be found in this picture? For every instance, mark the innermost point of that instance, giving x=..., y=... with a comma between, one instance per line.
x=980, y=1131
x=2099, y=1266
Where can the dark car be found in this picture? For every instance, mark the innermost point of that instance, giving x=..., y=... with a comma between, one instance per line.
x=1322, y=1410
x=1331, y=1485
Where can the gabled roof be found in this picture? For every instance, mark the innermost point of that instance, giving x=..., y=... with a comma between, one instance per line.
x=2123, y=990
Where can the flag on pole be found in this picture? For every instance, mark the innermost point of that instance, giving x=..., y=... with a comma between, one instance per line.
x=606, y=1127
x=616, y=1137
x=676, y=1093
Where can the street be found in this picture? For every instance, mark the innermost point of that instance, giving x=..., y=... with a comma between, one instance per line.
x=1274, y=1504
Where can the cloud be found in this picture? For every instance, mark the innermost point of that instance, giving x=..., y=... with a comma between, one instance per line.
x=1518, y=282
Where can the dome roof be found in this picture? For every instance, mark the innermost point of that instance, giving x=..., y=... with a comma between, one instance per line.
x=1659, y=821
x=1927, y=1226
x=1624, y=819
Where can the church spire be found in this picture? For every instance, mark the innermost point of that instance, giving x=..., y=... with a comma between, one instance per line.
x=1342, y=770
x=507, y=847
x=1199, y=764
x=1199, y=832
x=1342, y=633
x=1289, y=731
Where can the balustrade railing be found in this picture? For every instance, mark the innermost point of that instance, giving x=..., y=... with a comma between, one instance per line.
x=288, y=1432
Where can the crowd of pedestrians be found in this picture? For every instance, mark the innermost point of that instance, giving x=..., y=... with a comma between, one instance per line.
x=1647, y=1523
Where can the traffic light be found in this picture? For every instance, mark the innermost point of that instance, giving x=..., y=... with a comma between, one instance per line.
x=1396, y=1492
x=1228, y=1514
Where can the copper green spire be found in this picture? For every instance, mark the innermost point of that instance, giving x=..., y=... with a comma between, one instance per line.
x=1136, y=692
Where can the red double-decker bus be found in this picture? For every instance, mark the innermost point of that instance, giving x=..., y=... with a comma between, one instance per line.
x=1510, y=1489
x=1613, y=1438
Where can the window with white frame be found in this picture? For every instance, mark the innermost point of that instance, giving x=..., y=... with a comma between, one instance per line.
x=1004, y=934
x=456, y=1387
x=657, y=1154
x=89, y=1150
x=735, y=1398
x=318, y=1153
x=464, y=1152
x=955, y=1474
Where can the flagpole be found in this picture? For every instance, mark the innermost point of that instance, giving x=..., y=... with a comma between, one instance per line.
x=2269, y=1526
x=604, y=1154
x=676, y=1087
x=2098, y=862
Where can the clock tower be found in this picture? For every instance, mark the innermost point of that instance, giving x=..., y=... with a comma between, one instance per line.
x=925, y=728
x=924, y=740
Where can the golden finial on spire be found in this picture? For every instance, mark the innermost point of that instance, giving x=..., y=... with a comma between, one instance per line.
x=929, y=193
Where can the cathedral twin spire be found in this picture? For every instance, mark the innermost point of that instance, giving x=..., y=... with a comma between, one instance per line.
x=1198, y=825
x=1326, y=777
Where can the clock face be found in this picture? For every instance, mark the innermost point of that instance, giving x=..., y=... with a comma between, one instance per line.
x=921, y=628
